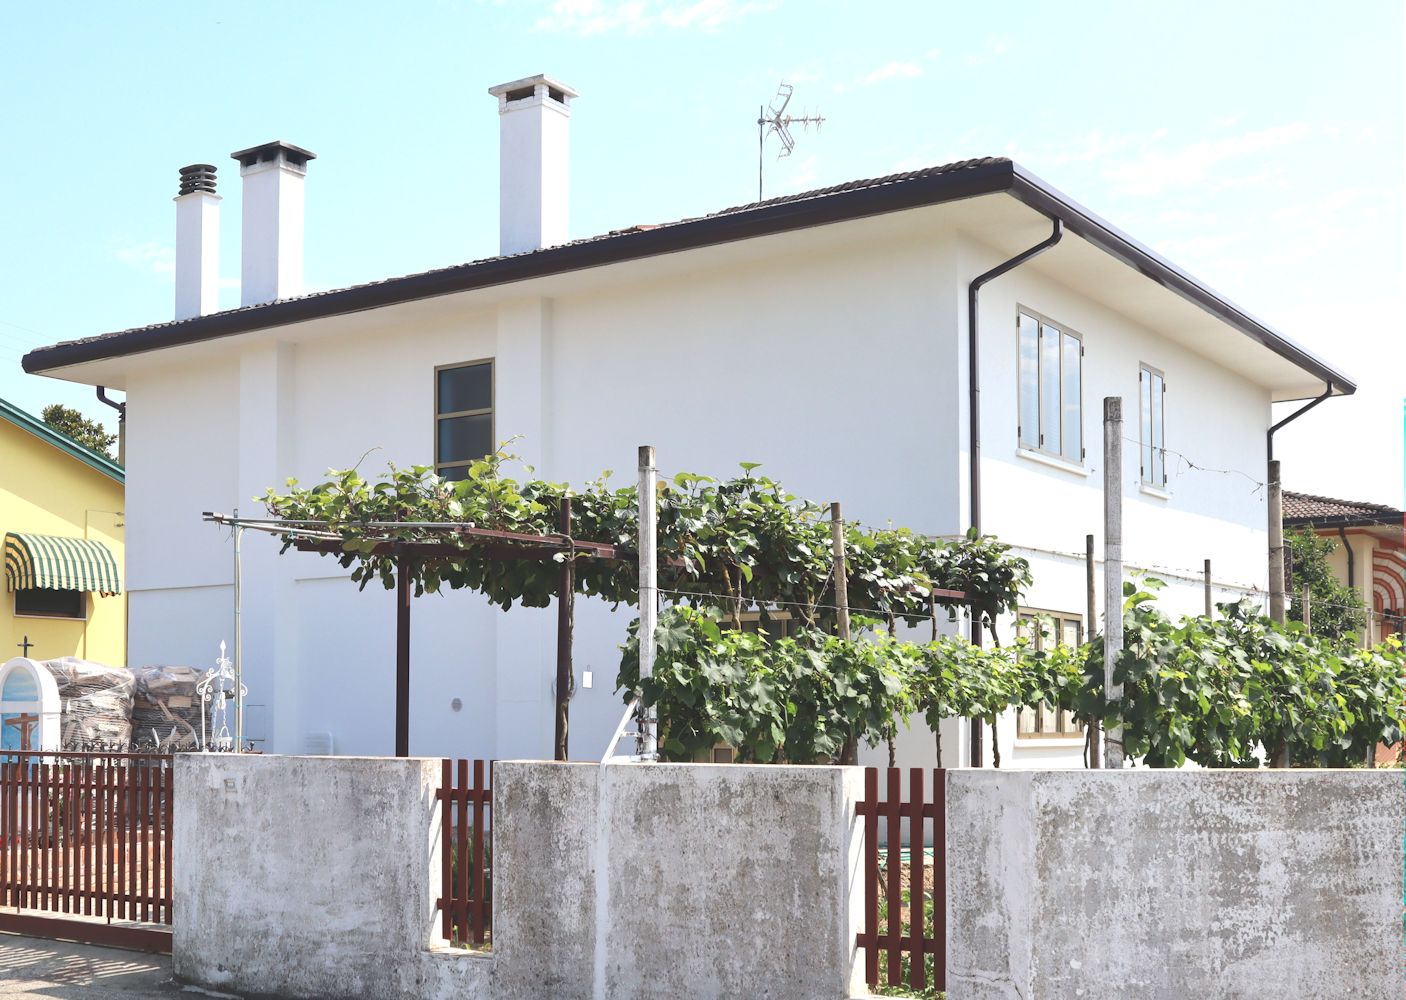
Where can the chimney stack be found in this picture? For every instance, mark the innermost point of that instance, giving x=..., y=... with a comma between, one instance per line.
x=197, y=242
x=271, y=250
x=533, y=115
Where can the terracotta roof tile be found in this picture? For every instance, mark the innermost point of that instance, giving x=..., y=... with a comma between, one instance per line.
x=1305, y=507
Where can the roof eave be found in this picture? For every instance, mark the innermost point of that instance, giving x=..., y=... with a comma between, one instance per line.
x=1113, y=241
x=725, y=227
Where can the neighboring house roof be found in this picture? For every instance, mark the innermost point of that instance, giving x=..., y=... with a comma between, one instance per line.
x=842, y=202
x=29, y=422
x=1309, y=510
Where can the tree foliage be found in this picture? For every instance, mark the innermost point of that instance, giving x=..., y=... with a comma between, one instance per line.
x=1336, y=610
x=89, y=433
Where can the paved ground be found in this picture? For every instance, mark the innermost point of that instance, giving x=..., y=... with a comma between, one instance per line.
x=31, y=969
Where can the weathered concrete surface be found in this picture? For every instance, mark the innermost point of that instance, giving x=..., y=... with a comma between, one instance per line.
x=676, y=880
x=1175, y=884
x=309, y=877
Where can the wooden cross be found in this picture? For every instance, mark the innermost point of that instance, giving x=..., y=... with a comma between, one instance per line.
x=25, y=645
x=25, y=723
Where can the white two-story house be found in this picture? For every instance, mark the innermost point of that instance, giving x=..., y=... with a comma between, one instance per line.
x=828, y=336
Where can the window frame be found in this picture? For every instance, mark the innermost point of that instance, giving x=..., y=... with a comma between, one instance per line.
x=1039, y=448
x=1152, y=372
x=82, y=616
x=491, y=411
x=1061, y=618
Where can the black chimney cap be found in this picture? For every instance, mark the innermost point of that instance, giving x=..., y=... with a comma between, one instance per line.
x=269, y=151
x=198, y=177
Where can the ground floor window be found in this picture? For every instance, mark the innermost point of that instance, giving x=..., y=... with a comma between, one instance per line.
x=41, y=602
x=1046, y=628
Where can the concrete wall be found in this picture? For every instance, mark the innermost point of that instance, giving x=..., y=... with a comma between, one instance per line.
x=312, y=877
x=1172, y=884
x=676, y=880
x=316, y=877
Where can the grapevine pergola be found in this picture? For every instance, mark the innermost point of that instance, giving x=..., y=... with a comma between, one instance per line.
x=462, y=542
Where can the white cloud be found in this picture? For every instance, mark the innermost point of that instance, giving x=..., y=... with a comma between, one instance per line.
x=803, y=174
x=595, y=17
x=1154, y=170
x=894, y=69
x=992, y=49
x=152, y=258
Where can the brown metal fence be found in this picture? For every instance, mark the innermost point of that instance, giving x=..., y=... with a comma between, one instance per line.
x=905, y=901
x=86, y=837
x=466, y=876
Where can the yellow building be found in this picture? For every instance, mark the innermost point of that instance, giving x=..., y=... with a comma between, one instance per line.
x=61, y=515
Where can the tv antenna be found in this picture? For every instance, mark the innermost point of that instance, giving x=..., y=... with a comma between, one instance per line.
x=774, y=120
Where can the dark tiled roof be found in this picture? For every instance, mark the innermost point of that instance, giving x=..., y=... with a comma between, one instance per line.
x=1305, y=508
x=615, y=234
x=841, y=202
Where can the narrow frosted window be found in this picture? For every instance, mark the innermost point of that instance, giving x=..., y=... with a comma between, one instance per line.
x=1072, y=394
x=1153, y=390
x=1029, y=382
x=1049, y=389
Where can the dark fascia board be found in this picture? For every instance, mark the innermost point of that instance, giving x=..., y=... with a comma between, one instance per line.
x=727, y=227
x=1113, y=241
x=1386, y=518
x=27, y=421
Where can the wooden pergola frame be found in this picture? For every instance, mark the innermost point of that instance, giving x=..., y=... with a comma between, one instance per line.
x=491, y=544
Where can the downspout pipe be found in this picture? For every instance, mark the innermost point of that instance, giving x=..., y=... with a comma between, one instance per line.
x=974, y=365
x=1269, y=435
x=974, y=412
x=121, y=409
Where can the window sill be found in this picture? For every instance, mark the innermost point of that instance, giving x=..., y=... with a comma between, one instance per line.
x=1054, y=463
x=1053, y=743
x=1154, y=491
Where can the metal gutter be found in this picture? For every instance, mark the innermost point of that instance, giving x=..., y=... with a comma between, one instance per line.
x=923, y=188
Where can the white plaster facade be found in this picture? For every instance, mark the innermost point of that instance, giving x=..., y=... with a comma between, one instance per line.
x=834, y=355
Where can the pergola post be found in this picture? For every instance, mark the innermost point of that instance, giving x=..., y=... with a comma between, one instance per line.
x=402, y=653
x=566, y=610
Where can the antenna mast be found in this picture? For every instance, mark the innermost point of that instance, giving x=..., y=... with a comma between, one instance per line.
x=775, y=121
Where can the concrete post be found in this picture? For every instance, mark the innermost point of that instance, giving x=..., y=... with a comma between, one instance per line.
x=649, y=589
x=1112, y=566
x=1276, y=544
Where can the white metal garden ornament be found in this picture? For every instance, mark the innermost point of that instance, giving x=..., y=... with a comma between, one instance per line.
x=218, y=686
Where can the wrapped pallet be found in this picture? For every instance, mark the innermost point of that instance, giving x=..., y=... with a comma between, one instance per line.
x=166, y=708
x=97, y=703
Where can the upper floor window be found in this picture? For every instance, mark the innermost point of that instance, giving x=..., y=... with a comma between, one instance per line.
x=1152, y=390
x=1051, y=389
x=463, y=417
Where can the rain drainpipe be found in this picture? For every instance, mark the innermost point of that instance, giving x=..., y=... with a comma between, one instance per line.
x=974, y=408
x=1269, y=435
x=121, y=409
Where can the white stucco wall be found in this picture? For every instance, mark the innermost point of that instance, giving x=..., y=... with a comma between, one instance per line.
x=836, y=358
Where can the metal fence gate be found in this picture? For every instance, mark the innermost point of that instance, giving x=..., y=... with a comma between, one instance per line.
x=85, y=847
x=466, y=852
x=905, y=890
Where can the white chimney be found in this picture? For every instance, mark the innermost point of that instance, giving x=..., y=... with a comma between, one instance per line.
x=197, y=242
x=271, y=251
x=533, y=115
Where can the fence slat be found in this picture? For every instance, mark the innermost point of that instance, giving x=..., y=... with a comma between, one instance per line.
x=446, y=847
x=893, y=826
x=917, y=911
x=871, y=876
x=939, y=877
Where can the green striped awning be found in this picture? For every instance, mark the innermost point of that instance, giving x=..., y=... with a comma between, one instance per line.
x=53, y=562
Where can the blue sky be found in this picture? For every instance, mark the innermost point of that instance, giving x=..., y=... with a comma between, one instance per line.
x=1257, y=144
